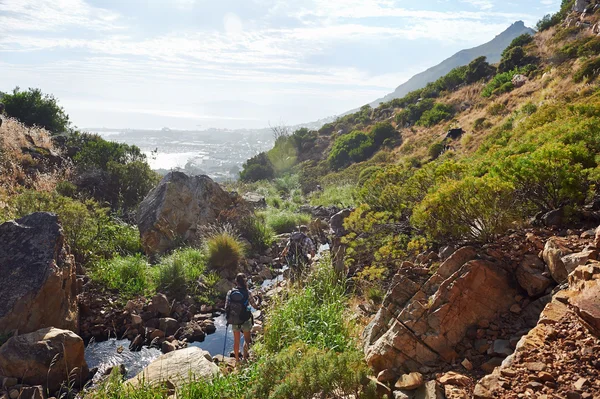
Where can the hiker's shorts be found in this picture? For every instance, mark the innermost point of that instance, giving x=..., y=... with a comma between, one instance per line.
x=246, y=327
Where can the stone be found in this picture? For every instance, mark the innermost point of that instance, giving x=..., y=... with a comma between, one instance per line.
x=160, y=304
x=581, y=383
x=554, y=250
x=575, y=260
x=488, y=386
x=516, y=308
x=136, y=320
x=45, y=357
x=519, y=80
x=8, y=382
x=171, y=213
x=431, y=390
x=573, y=395
x=535, y=366
x=580, y=5
x=467, y=364
x=501, y=347
x=177, y=368
x=409, y=382
x=430, y=324
x=536, y=386
x=192, y=332
x=452, y=378
x=491, y=364
x=168, y=325
x=255, y=200
x=530, y=276
x=545, y=376
x=387, y=375
x=554, y=217
x=587, y=305
x=167, y=347
x=38, y=276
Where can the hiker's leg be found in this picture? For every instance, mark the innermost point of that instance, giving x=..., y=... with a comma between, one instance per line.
x=236, y=344
x=247, y=342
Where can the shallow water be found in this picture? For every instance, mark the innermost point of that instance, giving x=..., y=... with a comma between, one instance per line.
x=104, y=355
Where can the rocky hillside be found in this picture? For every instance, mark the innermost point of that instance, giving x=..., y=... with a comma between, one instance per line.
x=491, y=50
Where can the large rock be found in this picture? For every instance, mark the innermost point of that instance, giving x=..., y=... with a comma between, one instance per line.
x=37, y=276
x=424, y=329
x=177, y=368
x=173, y=211
x=45, y=357
x=554, y=251
x=530, y=276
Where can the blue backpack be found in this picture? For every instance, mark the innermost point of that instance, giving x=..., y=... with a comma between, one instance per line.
x=237, y=311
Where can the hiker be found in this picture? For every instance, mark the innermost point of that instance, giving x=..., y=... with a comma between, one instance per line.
x=1, y=113
x=299, y=251
x=239, y=314
x=338, y=249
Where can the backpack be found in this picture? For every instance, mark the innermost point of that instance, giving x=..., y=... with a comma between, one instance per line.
x=237, y=311
x=296, y=240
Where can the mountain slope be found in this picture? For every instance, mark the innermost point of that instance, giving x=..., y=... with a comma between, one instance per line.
x=492, y=50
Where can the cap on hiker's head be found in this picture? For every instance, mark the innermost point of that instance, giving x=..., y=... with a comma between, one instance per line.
x=303, y=228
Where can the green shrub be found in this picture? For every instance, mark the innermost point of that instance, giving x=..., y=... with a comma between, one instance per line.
x=479, y=69
x=472, y=209
x=383, y=131
x=178, y=274
x=342, y=196
x=130, y=275
x=304, y=139
x=501, y=83
x=302, y=371
x=513, y=58
x=440, y=112
x=33, y=108
x=551, y=20
x=481, y=123
x=285, y=221
x=66, y=189
x=313, y=314
x=496, y=109
x=257, y=168
x=519, y=41
x=90, y=231
x=225, y=251
x=353, y=147
x=589, y=70
x=413, y=112
x=367, y=173
x=257, y=232
x=436, y=149
x=529, y=108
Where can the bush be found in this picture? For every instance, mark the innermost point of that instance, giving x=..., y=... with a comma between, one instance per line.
x=89, y=230
x=342, y=196
x=472, y=208
x=496, y=109
x=129, y=275
x=440, y=112
x=33, y=108
x=479, y=69
x=436, y=149
x=257, y=232
x=304, y=139
x=285, y=221
x=513, y=58
x=257, y=168
x=313, y=315
x=413, y=112
x=353, y=147
x=589, y=70
x=481, y=123
x=501, y=83
x=383, y=131
x=519, y=41
x=529, y=108
x=225, y=251
x=179, y=273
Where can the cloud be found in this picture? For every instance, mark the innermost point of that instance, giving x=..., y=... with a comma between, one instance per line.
x=55, y=15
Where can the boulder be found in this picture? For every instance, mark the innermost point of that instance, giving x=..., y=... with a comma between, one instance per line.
x=409, y=382
x=554, y=250
x=173, y=211
x=45, y=357
x=580, y=5
x=160, y=305
x=37, y=274
x=255, y=200
x=424, y=329
x=519, y=80
x=168, y=325
x=530, y=276
x=575, y=260
x=452, y=378
x=177, y=368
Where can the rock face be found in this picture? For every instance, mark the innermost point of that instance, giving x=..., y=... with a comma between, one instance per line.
x=38, y=276
x=172, y=212
x=177, y=368
x=561, y=350
x=554, y=251
x=45, y=357
x=420, y=322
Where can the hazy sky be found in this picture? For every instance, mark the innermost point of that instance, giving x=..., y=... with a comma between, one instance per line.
x=234, y=63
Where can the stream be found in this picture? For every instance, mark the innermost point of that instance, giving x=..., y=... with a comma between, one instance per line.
x=104, y=355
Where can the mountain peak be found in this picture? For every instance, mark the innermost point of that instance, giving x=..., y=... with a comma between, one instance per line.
x=491, y=50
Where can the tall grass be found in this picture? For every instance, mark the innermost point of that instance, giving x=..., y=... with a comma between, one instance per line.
x=313, y=314
x=284, y=221
x=257, y=232
x=131, y=275
x=343, y=196
x=224, y=251
x=179, y=272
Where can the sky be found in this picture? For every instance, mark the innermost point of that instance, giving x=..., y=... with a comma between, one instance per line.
x=196, y=64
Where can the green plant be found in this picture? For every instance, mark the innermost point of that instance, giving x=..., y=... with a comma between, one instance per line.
x=440, y=112
x=480, y=124
x=471, y=208
x=353, y=147
x=383, y=131
x=179, y=273
x=257, y=168
x=257, y=232
x=529, y=108
x=436, y=149
x=130, y=275
x=33, y=108
x=589, y=70
x=285, y=221
x=496, y=109
x=479, y=69
x=342, y=196
x=225, y=251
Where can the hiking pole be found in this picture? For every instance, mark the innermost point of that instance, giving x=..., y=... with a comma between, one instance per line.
x=225, y=342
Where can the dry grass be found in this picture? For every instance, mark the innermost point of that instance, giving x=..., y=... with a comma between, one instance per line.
x=20, y=169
